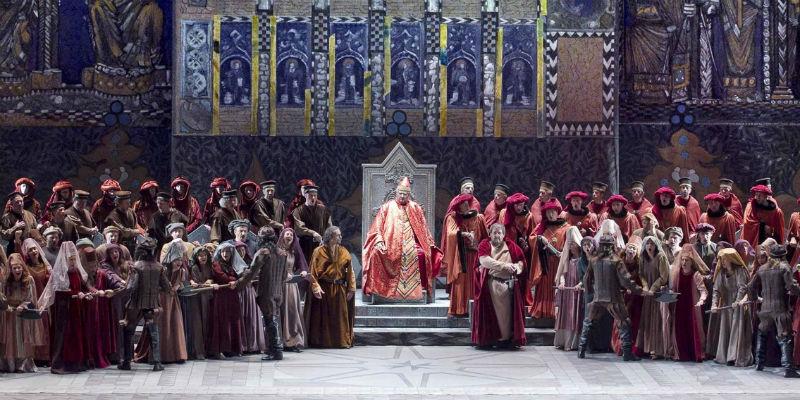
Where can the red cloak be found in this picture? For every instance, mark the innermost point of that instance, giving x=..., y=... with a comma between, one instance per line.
x=485, y=330
x=536, y=209
x=543, y=269
x=693, y=210
x=794, y=232
x=639, y=209
x=734, y=206
x=627, y=222
x=669, y=217
x=586, y=221
x=492, y=213
x=460, y=274
x=724, y=225
x=186, y=203
x=770, y=216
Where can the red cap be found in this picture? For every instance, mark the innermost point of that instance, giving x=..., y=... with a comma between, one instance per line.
x=551, y=205
x=761, y=189
x=61, y=185
x=665, y=190
x=516, y=198
x=617, y=197
x=458, y=200
x=217, y=182
x=582, y=195
x=110, y=184
x=180, y=179
x=148, y=185
x=714, y=197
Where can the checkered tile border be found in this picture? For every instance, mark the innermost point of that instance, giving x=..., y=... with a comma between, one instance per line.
x=320, y=31
x=376, y=31
x=591, y=128
x=489, y=32
x=432, y=22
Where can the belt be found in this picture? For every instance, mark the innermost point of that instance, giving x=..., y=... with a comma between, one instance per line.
x=501, y=280
x=334, y=281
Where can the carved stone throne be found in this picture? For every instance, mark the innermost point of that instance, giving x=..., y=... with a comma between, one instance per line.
x=380, y=182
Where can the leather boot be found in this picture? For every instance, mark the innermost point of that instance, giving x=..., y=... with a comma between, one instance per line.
x=127, y=349
x=761, y=350
x=586, y=334
x=787, y=346
x=272, y=328
x=627, y=345
x=155, y=346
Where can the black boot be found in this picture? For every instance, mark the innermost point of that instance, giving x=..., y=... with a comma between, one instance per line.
x=155, y=346
x=787, y=346
x=272, y=327
x=761, y=350
x=586, y=334
x=127, y=349
x=627, y=345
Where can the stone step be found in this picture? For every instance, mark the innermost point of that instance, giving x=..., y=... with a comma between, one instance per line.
x=401, y=311
x=436, y=336
x=411, y=322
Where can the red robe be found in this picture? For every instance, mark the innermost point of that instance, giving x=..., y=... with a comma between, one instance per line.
x=796, y=319
x=734, y=206
x=485, y=330
x=190, y=208
x=587, y=222
x=492, y=213
x=794, y=232
x=536, y=209
x=100, y=323
x=687, y=327
x=544, y=265
x=693, y=210
x=68, y=346
x=627, y=223
x=381, y=271
x=225, y=315
x=598, y=208
x=639, y=209
x=755, y=216
x=669, y=217
x=724, y=225
x=459, y=258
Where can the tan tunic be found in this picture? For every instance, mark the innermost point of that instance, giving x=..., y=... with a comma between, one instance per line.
x=502, y=295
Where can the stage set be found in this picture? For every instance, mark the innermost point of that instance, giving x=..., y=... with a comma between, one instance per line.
x=355, y=94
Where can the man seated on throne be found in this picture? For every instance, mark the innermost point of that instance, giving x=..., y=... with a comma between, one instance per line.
x=398, y=250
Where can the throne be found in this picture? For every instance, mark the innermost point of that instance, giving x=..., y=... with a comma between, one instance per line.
x=380, y=182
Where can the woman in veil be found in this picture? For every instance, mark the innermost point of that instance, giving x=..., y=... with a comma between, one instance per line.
x=568, y=298
x=292, y=311
x=40, y=270
x=225, y=316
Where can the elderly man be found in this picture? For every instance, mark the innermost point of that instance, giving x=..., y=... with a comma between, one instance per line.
x=492, y=212
x=125, y=219
x=397, y=251
x=466, y=185
x=84, y=222
x=763, y=218
x=18, y=224
x=111, y=235
x=223, y=216
x=268, y=210
x=498, y=314
x=311, y=219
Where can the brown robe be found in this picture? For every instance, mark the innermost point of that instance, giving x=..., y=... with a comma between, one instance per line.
x=268, y=213
x=330, y=320
x=308, y=220
x=7, y=230
x=219, y=224
x=83, y=221
x=128, y=225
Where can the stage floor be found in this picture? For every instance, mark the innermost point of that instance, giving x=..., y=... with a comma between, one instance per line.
x=396, y=372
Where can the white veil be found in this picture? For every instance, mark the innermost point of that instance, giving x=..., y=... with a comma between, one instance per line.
x=59, y=280
x=573, y=236
x=609, y=227
x=237, y=262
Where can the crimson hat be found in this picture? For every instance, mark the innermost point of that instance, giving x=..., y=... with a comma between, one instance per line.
x=551, y=205
x=458, y=200
x=665, y=190
x=517, y=198
x=577, y=193
x=617, y=197
x=761, y=189
x=714, y=197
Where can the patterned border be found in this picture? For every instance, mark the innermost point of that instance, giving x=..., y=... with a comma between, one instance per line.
x=459, y=20
x=406, y=19
x=602, y=128
x=349, y=20
x=518, y=21
x=292, y=19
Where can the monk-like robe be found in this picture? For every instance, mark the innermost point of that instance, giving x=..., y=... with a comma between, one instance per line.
x=268, y=213
x=758, y=218
x=499, y=310
x=157, y=227
x=459, y=257
x=544, y=265
x=628, y=223
x=330, y=320
x=83, y=221
x=536, y=209
x=128, y=225
x=8, y=232
x=693, y=210
x=307, y=220
x=672, y=216
x=219, y=224
x=491, y=214
x=794, y=232
x=405, y=269
x=734, y=206
x=586, y=221
x=101, y=209
x=724, y=224
x=639, y=209
x=189, y=207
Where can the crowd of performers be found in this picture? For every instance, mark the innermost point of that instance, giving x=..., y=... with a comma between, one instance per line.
x=660, y=279
x=79, y=279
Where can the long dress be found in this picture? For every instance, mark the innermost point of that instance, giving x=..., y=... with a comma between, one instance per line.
x=170, y=325
x=195, y=315
x=735, y=335
x=330, y=320
x=253, y=340
x=225, y=315
x=40, y=276
x=68, y=350
x=569, y=302
x=18, y=337
x=292, y=312
x=687, y=328
x=101, y=320
x=651, y=336
x=460, y=256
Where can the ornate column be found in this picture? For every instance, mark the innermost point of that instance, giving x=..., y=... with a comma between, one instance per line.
x=264, y=11
x=433, y=18
x=489, y=23
x=377, y=34
x=320, y=27
x=782, y=91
